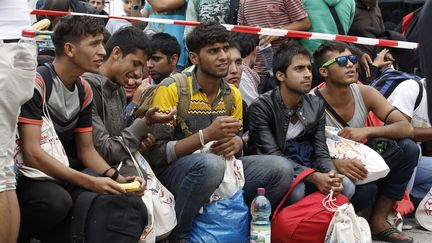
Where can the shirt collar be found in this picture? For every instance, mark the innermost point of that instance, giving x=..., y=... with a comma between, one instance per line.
x=196, y=87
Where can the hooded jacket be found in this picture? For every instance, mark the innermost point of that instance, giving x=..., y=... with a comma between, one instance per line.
x=110, y=133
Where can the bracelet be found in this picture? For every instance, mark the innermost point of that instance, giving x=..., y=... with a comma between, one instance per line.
x=201, y=137
x=113, y=176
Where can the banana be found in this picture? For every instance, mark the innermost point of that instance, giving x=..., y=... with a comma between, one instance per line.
x=131, y=187
x=41, y=25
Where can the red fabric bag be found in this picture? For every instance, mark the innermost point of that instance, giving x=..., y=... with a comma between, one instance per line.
x=304, y=221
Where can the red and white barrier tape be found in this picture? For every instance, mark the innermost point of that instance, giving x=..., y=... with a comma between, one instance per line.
x=253, y=30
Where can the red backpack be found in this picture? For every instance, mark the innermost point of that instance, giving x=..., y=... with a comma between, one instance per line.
x=304, y=221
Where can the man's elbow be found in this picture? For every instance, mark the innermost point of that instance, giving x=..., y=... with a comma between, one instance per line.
x=305, y=24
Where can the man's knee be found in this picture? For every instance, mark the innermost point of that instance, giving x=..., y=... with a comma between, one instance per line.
x=348, y=187
x=297, y=193
x=279, y=166
x=211, y=167
x=410, y=149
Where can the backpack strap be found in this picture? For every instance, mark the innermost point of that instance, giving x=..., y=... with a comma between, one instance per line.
x=228, y=102
x=183, y=103
x=81, y=209
x=330, y=110
x=297, y=180
x=45, y=72
x=420, y=95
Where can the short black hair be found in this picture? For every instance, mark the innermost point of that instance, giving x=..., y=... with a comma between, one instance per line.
x=246, y=42
x=73, y=28
x=207, y=33
x=283, y=57
x=165, y=43
x=129, y=40
x=320, y=54
x=233, y=43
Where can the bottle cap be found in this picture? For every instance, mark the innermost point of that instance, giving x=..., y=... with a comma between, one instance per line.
x=261, y=191
x=28, y=33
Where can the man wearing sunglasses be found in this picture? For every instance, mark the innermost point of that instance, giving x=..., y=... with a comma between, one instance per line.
x=352, y=102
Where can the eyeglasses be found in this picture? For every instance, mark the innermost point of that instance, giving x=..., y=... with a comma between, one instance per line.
x=342, y=61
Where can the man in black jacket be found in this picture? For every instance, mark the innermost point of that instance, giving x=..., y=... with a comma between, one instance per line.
x=289, y=122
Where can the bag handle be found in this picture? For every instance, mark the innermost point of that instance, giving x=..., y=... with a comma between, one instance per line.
x=297, y=180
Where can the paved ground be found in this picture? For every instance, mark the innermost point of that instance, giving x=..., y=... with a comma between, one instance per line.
x=419, y=234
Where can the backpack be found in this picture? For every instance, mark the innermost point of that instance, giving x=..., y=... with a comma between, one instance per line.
x=45, y=72
x=304, y=221
x=390, y=79
x=98, y=218
x=183, y=90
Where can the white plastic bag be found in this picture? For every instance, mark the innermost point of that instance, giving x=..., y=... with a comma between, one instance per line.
x=49, y=142
x=159, y=202
x=233, y=180
x=424, y=211
x=342, y=148
x=346, y=226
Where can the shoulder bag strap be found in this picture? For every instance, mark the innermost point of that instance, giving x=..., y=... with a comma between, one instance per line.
x=297, y=180
x=337, y=20
x=329, y=109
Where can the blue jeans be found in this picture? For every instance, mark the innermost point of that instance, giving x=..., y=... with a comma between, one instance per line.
x=423, y=179
x=193, y=178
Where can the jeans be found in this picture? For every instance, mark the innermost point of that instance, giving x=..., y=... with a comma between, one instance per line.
x=423, y=179
x=302, y=190
x=394, y=184
x=193, y=178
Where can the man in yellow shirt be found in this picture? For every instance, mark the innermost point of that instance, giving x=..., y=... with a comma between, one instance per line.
x=214, y=114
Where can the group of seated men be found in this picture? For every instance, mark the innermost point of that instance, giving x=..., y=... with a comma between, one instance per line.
x=92, y=117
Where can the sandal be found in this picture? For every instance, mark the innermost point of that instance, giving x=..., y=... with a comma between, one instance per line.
x=384, y=236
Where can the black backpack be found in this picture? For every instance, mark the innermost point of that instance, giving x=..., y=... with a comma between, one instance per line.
x=101, y=218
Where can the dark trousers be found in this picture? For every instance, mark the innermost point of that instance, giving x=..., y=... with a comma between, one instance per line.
x=45, y=209
x=394, y=184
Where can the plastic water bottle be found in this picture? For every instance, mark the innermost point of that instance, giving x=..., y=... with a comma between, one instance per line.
x=26, y=59
x=267, y=54
x=260, y=224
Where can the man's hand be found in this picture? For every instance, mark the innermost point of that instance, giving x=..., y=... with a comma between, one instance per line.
x=105, y=185
x=267, y=39
x=154, y=116
x=327, y=181
x=141, y=181
x=383, y=60
x=147, y=142
x=365, y=60
x=227, y=147
x=355, y=134
x=354, y=169
x=139, y=91
x=222, y=127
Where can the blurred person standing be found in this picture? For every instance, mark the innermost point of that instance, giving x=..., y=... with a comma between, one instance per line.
x=16, y=87
x=280, y=14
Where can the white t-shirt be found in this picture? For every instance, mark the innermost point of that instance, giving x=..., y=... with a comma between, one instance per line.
x=404, y=98
x=14, y=17
x=294, y=130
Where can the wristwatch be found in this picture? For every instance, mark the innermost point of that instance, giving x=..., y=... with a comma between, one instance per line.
x=136, y=7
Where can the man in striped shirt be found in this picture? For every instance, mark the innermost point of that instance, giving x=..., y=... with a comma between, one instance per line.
x=279, y=14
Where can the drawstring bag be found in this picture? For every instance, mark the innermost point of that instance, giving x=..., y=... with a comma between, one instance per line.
x=346, y=226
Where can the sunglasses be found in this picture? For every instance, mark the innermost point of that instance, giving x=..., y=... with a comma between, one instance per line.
x=342, y=61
